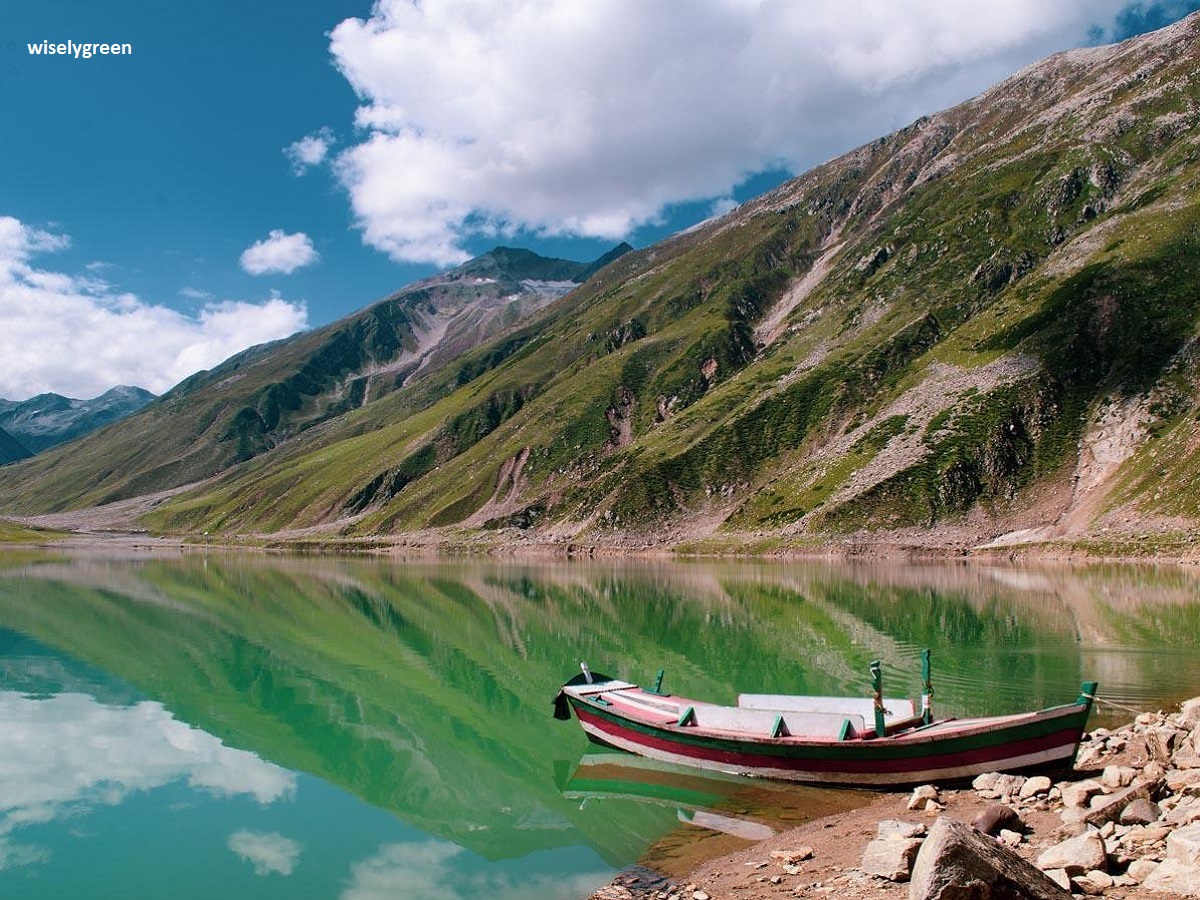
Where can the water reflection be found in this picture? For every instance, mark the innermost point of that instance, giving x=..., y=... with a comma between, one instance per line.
x=422, y=690
x=62, y=755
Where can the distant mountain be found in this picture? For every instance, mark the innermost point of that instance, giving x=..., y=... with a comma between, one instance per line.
x=11, y=449
x=267, y=395
x=47, y=420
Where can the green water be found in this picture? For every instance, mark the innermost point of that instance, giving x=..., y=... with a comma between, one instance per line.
x=254, y=727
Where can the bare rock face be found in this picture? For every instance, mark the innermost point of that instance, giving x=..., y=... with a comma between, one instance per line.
x=956, y=862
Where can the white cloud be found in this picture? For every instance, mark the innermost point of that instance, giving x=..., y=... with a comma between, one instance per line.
x=562, y=117
x=79, y=336
x=63, y=755
x=269, y=852
x=279, y=254
x=309, y=151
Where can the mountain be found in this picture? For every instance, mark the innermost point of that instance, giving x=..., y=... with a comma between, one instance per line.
x=11, y=449
x=268, y=394
x=981, y=327
x=47, y=420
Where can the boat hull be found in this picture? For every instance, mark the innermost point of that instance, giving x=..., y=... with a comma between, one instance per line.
x=949, y=751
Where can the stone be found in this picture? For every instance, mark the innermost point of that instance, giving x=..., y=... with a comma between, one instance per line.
x=1009, y=785
x=1059, y=877
x=995, y=816
x=1188, y=716
x=986, y=781
x=1116, y=777
x=1077, y=855
x=1153, y=771
x=1115, y=803
x=793, y=856
x=1186, y=759
x=891, y=858
x=1038, y=784
x=1176, y=877
x=1077, y=795
x=1140, y=812
x=1089, y=758
x=1183, y=814
x=957, y=862
x=1182, y=781
x=932, y=807
x=1009, y=838
x=1183, y=844
x=888, y=828
x=1093, y=883
x=1139, y=870
x=920, y=795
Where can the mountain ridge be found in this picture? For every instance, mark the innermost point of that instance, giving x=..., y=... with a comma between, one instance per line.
x=49, y=419
x=976, y=329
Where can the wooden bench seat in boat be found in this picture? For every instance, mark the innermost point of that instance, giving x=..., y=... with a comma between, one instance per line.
x=894, y=709
x=776, y=723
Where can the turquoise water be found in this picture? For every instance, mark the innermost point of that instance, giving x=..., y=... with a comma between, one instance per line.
x=251, y=727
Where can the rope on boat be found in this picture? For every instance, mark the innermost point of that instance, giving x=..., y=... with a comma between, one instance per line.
x=1120, y=706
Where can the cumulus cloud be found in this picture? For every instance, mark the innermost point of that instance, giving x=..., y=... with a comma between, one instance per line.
x=309, y=151
x=279, y=254
x=77, y=335
x=559, y=117
x=269, y=852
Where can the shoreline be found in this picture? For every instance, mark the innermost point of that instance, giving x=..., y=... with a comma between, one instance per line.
x=57, y=532
x=829, y=857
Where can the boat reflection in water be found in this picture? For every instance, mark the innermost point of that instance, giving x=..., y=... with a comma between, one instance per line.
x=746, y=808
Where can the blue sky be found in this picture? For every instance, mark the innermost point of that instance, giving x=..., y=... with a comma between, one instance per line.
x=134, y=189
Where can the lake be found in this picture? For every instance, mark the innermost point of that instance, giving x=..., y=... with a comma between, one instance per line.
x=250, y=726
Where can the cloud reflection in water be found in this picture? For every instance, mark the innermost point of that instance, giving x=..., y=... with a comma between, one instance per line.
x=62, y=755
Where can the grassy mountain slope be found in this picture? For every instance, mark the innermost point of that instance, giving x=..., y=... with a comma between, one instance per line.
x=983, y=323
x=268, y=394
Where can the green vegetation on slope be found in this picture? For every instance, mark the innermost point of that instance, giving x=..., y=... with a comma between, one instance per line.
x=923, y=331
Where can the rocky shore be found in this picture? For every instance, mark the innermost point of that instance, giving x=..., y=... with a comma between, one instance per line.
x=1124, y=825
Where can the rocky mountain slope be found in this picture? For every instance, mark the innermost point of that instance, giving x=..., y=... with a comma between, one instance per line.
x=48, y=420
x=268, y=394
x=981, y=328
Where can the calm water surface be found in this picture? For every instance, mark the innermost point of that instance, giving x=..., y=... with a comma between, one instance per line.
x=246, y=727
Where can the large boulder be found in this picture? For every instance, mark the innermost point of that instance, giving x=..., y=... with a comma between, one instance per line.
x=956, y=862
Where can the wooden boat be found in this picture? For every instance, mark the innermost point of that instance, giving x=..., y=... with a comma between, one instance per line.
x=823, y=740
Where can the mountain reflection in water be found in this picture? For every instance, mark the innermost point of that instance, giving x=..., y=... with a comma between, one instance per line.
x=415, y=697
